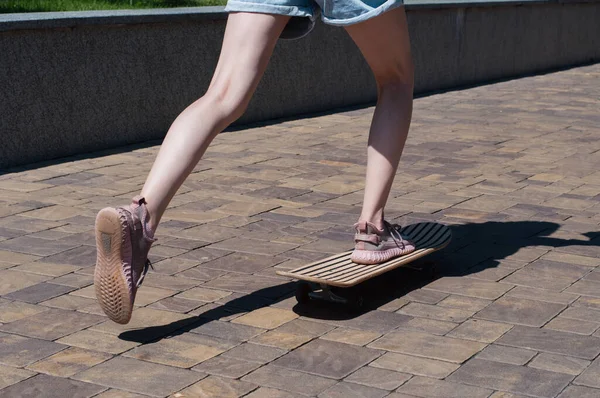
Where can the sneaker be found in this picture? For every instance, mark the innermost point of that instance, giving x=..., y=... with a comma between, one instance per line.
x=122, y=243
x=374, y=245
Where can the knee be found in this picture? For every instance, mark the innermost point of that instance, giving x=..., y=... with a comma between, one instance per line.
x=398, y=78
x=226, y=101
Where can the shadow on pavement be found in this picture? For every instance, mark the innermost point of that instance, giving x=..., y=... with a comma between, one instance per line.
x=474, y=248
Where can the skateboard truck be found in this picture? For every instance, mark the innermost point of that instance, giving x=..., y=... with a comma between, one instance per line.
x=320, y=291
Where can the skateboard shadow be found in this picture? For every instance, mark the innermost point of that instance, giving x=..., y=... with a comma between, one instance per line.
x=474, y=248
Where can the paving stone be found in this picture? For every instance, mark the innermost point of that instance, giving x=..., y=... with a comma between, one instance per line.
x=470, y=287
x=22, y=351
x=573, y=325
x=520, y=311
x=551, y=341
x=286, y=341
x=200, y=273
x=174, y=265
x=515, y=356
x=428, y=346
x=352, y=390
x=97, y=341
x=10, y=376
x=394, y=305
x=503, y=394
x=591, y=376
x=35, y=246
x=214, y=386
x=30, y=225
x=426, y=325
x=16, y=258
x=176, y=304
x=266, y=318
x=582, y=313
x=246, y=302
x=112, y=393
x=69, y=362
x=182, y=351
x=44, y=386
x=532, y=278
x=414, y=365
x=226, y=367
x=83, y=256
x=13, y=311
x=260, y=285
x=202, y=255
x=168, y=282
x=74, y=280
x=40, y=292
x=580, y=392
x=255, y=353
x=11, y=281
x=511, y=378
x=265, y=392
x=558, y=269
x=479, y=330
x=585, y=287
x=541, y=295
x=230, y=331
x=289, y=380
x=464, y=303
x=203, y=294
x=373, y=321
x=146, y=325
x=399, y=395
x=378, y=378
x=139, y=376
x=432, y=388
x=47, y=269
x=76, y=303
x=571, y=259
x=303, y=327
x=246, y=209
x=559, y=363
x=327, y=358
x=242, y=262
x=436, y=312
x=351, y=336
x=52, y=324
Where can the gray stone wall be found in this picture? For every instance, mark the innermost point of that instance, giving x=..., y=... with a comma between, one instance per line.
x=71, y=83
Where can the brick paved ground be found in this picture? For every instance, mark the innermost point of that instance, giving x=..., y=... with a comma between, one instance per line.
x=512, y=311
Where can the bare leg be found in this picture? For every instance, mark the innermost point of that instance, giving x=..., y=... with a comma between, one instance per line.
x=247, y=46
x=385, y=44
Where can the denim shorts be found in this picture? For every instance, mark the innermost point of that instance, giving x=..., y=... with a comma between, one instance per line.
x=305, y=12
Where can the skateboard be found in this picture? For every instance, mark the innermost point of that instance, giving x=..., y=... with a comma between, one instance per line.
x=330, y=279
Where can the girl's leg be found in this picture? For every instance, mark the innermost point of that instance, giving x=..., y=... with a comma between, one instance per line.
x=124, y=235
x=247, y=46
x=384, y=42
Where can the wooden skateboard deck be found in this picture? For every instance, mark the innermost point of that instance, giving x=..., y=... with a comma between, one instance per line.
x=339, y=271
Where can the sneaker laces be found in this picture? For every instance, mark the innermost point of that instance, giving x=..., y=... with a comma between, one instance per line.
x=395, y=228
x=147, y=266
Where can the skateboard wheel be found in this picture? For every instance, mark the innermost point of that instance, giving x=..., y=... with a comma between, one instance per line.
x=302, y=292
x=357, y=303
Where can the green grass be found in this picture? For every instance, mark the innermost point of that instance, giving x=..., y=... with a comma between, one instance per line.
x=12, y=6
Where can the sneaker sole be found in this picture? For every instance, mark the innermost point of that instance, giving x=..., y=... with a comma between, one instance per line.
x=112, y=290
x=366, y=257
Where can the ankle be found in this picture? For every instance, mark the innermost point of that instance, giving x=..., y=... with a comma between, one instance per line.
x=377, y=222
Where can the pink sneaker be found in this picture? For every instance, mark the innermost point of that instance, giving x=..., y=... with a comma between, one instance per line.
x=374, y=245
x=123, y=241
